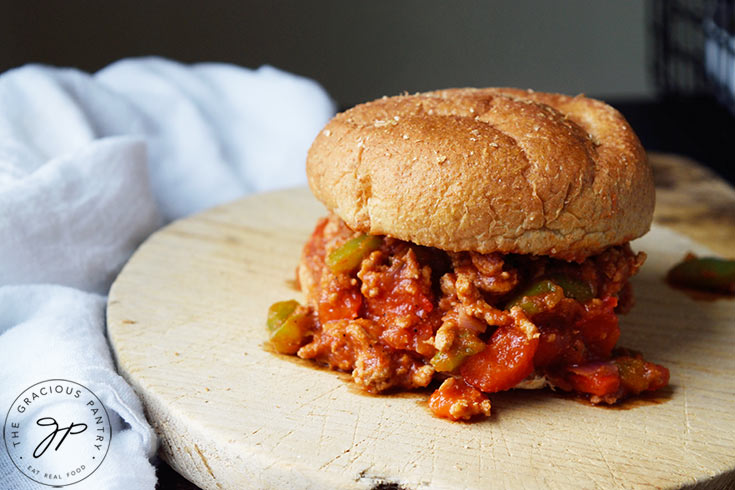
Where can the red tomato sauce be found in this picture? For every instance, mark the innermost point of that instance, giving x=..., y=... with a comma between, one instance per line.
x=410, y=315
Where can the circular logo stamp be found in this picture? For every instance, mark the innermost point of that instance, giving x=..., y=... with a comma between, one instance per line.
x=57, y=432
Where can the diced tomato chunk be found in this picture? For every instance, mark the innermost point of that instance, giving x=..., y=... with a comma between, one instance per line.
x=597, y=378
x=339, y=304
x=658, y=376
x=402, y=304
x=592, y=336
x=456, y=400
x=599, y=327
x=505, y=362
x=558, y=346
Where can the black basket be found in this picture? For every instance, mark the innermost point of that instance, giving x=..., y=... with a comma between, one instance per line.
x=694, y=48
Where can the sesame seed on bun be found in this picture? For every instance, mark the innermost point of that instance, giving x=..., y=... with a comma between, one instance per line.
x=486, y=170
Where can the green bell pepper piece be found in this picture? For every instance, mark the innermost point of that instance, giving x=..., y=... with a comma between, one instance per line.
x=707, y=273
x=349, y=255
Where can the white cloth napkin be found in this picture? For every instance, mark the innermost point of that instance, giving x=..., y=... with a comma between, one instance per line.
x=92, y=164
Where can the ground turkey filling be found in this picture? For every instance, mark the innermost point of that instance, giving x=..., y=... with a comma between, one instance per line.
x=399, y=316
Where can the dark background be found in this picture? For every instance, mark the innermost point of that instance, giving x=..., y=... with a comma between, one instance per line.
x=360, y=51
x=357, y=50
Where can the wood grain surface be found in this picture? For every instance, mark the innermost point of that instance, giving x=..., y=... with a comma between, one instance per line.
x=692, y=200
x=185, y=319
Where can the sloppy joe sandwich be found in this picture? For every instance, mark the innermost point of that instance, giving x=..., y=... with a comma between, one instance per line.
x=477, y=241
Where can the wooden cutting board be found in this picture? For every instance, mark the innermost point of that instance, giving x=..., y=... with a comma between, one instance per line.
x=186, y=322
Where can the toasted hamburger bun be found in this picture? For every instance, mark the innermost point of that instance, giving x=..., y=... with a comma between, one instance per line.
x=486, y=170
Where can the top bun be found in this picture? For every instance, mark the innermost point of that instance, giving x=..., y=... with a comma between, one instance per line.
x=486, y=170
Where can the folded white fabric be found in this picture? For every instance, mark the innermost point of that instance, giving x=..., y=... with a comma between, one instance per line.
x=47, y=325
x=92, y=164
